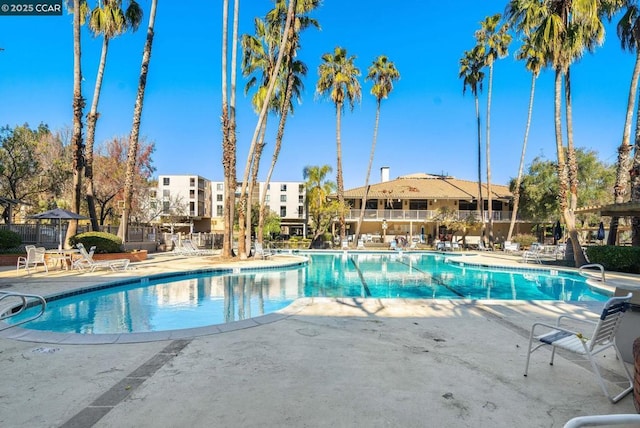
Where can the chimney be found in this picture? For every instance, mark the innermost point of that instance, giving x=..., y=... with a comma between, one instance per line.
x=384, y=174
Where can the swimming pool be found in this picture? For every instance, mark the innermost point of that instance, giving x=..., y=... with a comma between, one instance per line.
x=206, y=298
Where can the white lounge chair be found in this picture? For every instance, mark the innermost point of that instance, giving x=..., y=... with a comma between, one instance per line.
x=261, y=252
x=584, y=344
x=86, y=261
x=35, y=257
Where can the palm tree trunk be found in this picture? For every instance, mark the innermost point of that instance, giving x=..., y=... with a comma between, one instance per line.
x=78, y=106
x=516, y=191
x=226, y=157
x=92, y=118
x=339, y=178
x=276, y=152
x=624, y=153
x=571, y=153
x=254, y=181
x=488, y=155
x=567, y=213
x=366, y=180
x=480, y=198
x=261, y=118
x=135, y=128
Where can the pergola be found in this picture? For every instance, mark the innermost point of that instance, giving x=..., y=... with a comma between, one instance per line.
x=9, y=203
x=625, y=209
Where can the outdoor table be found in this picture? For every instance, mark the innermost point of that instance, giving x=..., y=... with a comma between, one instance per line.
x=64, y=256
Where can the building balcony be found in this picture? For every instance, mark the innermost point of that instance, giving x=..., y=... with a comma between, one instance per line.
x=420, y=215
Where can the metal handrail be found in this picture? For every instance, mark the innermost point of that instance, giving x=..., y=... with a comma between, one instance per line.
x=591, y=266
x=21, y=308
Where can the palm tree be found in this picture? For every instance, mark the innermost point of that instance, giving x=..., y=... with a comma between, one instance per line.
x=534, y=60
x=493, y=42
x=471, y=65
x=77, y=146
x=629, y=33
x=135, y=128
x=383, y=73
x=339, y=81
x=229, y=124
x=318, y=188
x=108, y=19
x=294, y=71
x=273, y=78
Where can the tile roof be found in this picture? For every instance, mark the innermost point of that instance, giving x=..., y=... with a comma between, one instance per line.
x=426, y=186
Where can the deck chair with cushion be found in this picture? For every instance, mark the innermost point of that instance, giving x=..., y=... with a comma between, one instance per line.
x=584, y=344
x=35, y=257
x=86, y=261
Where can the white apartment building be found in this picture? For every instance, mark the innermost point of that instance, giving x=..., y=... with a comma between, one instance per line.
x=285, y=198
x=185, y=200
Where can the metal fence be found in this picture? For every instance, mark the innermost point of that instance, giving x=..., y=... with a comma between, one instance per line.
x=49, y=235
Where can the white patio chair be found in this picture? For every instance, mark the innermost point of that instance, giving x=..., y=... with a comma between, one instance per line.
x=35, y=257
x=86, y=261
x=603, y=420
x=532, y=254
x=261, y=252
x=580, y=343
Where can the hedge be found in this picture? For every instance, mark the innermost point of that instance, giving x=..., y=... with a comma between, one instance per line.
x=9, y=239
x=614, y=258
x=103, y=241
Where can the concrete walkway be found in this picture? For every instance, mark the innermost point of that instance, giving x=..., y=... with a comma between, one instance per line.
x=321, y=363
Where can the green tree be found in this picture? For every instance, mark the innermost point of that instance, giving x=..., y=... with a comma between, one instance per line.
x=471, y=73
x=109, y=20
x=383, y=73
x=449, y=218
x=338, y=80
x=322, y=212
x=493, y=43
x=135, y=128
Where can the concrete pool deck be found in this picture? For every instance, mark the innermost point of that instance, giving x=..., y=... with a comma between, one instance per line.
x=326, y=362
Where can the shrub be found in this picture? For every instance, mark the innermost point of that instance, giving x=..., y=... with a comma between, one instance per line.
x=9, y=239
x=619, y=259
x=103, y=241
x=524, y=239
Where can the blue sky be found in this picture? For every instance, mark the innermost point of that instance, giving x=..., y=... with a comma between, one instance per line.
x=426, y=125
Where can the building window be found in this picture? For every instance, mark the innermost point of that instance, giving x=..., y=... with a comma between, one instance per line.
x=283, y=187
x=219, y=198
x=152, y=194
x=219, y=210
x=372, y=204
x=165, y=181
x=267, y=198
x=283, y=212
x=418, y=204
x=300, y=188
x=165, y=207
x=192, y=193
x=153, y=205
x=192, y=182
x=192, y=208
x=283, y=198
x=219, y=187
x=300, y=212
x=166, y=193
x=301, y=199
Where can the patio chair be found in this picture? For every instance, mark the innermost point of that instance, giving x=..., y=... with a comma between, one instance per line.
x=86, y=261
x=603, y=420
x=580, y=343
x=35, y=257
x=532, y=254
x=261, y=252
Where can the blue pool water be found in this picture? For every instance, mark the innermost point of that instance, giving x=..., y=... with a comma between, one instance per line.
x=196, y=300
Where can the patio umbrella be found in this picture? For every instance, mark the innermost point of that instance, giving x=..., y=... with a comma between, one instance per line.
x=600, y=235
x=58, y=214
x=557, y=231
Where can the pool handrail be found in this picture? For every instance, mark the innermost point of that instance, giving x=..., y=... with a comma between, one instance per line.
x=24, y=297
x=598, y=266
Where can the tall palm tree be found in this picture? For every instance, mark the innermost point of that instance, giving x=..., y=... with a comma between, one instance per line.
x=109, y=20
x=273, y=78
x=77, y=146
x=318, y=188
x=338, y=80
x=629, y=33
x=493, y=42
x=229, y=123
x=293, y=72
x=383, y=73
x=471, y=65
x=135, y=128
x=534, y=61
